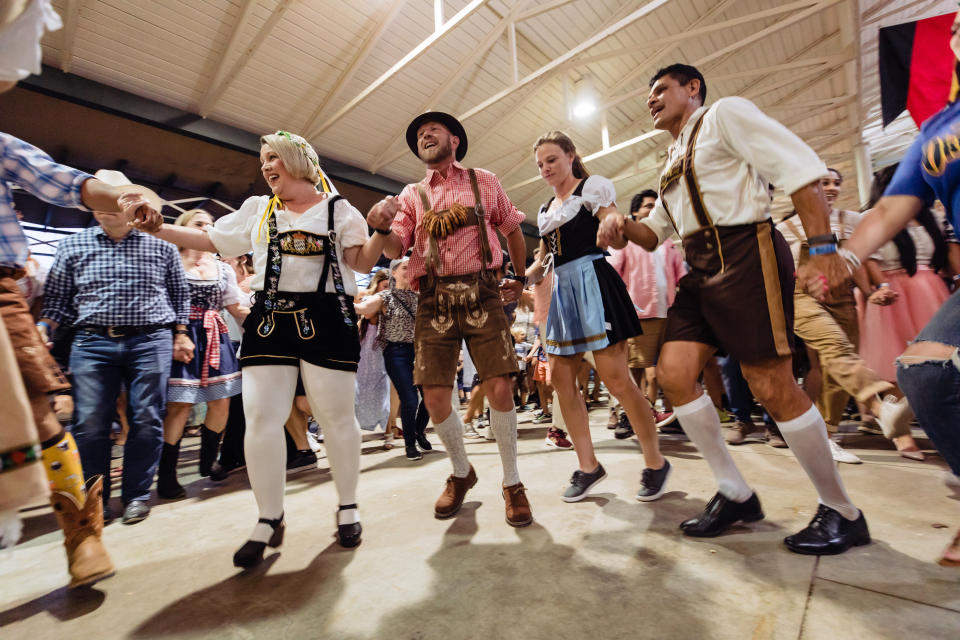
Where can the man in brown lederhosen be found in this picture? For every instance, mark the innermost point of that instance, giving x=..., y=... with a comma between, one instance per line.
x=451, y=219
x=738, y=294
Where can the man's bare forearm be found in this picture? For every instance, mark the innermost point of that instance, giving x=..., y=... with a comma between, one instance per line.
x=640, y=234
x=812, y=209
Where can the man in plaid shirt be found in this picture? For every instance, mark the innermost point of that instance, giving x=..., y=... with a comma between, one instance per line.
x=123, y=291
x=451, y=219
x=44, y=441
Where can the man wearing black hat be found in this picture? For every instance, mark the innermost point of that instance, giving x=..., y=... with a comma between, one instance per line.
x=451, y=219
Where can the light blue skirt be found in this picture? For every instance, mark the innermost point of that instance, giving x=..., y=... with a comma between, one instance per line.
x=590, y=308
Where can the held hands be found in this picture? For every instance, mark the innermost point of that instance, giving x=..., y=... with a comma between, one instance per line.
x=824, y=276
x=610, y=232
x=883, y=296
x=383, y=213
x=142, y=214
x=510, y=290
x=44, y=336
x=183, y=348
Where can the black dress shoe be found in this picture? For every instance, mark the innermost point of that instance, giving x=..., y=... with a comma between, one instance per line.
x=348, y=534
x=251, y=553
x=135, y=511
x=720, y=514
x=829, y=533
x=423, y=442
x=413, y=453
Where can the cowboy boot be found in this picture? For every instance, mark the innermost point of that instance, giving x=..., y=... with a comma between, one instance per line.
x=82, y=526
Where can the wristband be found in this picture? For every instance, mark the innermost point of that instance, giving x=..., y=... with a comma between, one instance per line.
x=382, y=231
x=882, y=285
x=46, y=327
x=521, y=279
x=955, y=278
x=822, y=249
x=181, y=332
x=827, y=238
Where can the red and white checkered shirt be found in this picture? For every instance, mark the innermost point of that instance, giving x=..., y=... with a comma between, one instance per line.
x=459, y=253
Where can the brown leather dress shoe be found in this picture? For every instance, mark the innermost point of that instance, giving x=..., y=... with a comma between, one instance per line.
x=738, y=432
x=452, y=497
x=517, y=506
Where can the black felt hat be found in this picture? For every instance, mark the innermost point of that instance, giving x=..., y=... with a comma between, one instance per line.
x=446, y=120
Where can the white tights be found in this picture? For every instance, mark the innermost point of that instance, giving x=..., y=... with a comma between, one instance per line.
x=268, y=393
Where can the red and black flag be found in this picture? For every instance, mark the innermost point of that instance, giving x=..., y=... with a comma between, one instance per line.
x=918, y=71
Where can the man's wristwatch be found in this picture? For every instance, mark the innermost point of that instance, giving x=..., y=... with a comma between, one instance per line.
x=827, y=238
x=521, y=279
x=385, y=232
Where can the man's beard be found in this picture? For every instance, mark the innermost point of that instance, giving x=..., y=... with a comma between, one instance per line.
x=440, y=152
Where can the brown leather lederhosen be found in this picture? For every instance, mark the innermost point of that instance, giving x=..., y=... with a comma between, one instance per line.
x=711, y=249
x=475, y=215
x=703, y=248
x=456, y=308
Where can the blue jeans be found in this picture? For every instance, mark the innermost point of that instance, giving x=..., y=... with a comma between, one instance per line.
x=738, y=391
x=101, y=368
x=398, y=361
x=932, y=385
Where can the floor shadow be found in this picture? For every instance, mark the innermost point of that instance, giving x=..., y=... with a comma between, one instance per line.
x=254, y=597
x=537, y=588
x=63, y=604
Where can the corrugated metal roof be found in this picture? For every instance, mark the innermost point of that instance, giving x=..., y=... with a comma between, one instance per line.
x=338, y=72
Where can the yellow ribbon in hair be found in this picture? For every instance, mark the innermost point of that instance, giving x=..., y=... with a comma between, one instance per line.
x=271, y=206
x=323, y=182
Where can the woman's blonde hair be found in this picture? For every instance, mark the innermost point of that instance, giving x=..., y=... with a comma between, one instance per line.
x=563, y=141
x=184, y=218
x=295, y=157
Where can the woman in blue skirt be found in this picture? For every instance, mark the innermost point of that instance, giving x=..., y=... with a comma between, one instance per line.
x=590, y=310
x=213, y=375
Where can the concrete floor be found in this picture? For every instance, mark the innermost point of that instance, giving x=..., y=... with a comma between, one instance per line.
x=608, y=567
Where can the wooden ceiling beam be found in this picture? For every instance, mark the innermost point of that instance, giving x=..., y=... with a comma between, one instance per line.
x=448, y=83
x=412, y=55
x=217, y=89
x=559, y=61
x=386, y=17
x=70, y=18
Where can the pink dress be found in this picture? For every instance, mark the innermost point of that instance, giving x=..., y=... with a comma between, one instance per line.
x=885, y=331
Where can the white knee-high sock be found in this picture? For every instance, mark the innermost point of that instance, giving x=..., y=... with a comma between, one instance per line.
x=807, y=437
x=331, y=396
x=504, y=425
x=267, y=398
x=450, y=432
x=702, y=424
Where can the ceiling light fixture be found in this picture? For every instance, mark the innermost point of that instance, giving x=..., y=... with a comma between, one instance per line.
x=584, y=98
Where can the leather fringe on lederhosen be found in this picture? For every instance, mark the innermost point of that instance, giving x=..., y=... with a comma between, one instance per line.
x=453, y=291
x=728, y=264
x=284, y=328
x=459, y=307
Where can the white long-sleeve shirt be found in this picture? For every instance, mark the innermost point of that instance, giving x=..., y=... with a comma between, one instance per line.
x=738, y=151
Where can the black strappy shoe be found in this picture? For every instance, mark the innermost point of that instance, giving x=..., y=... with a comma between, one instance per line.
x=348, y=534
x=251, y=553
